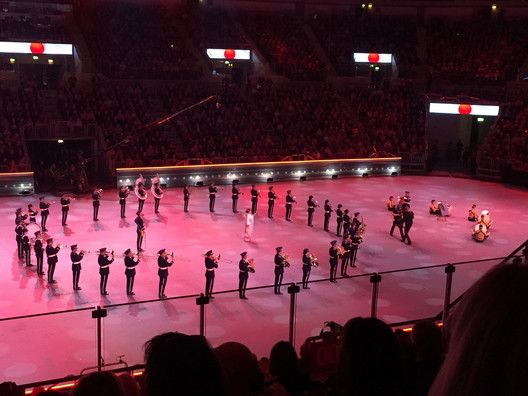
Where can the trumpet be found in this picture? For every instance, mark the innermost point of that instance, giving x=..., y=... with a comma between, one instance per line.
x=314, y=260
x=340, y=251
x=251, y=267
x=286, y=261
x=59, y=245
x=217, y=258
x=98, y=191
x=84, y=251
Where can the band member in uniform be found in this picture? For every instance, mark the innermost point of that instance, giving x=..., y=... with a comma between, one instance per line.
x=76, y=265
x=290, y=199
x=130, y=271
x=311, y=208
x=141, y=192
x=279, y=269
x=44, y=212
x=355, y=240
x=186, y=196
x=480, y=233
x=19, y=215
x=96, y=196
x=408, y=217
x=157, y=192
x=234, y=195
x=26, y=247
x=249, y=221
x=163, y=272
x=212, y=196
x=140, y=230
x=390, y=205
x=355, y=221
x=346, y=254
x=333, y=261
x=243, y=275
x=51, y=253
x=339, y=214
x=32, y=214
x=306, y=268
x=65, y=204
x=211, y=262
x=271, y=201
x=19, y=230
x=328, y=212
x=346, y=222
x=39, y=252
x=254, y=199
x=123, y=194
x=472, y=213
x=397, y=220
x=104, y=264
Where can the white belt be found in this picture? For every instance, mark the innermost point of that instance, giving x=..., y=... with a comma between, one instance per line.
x=163, y=268
x=243, y=271
x=210, y=269
x=77, y=262
x=279, y=265
x=52, y=255
x=328, y=211
x=271, y=199
x=65, y=205
x=105, y=266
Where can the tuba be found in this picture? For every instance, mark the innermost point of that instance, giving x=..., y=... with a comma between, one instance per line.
x=140, y=180
x=251, y=267
x=155, y=180
x=313, y=259
x=286, y=261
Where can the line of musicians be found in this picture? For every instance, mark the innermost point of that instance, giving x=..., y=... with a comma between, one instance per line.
x=346, y=252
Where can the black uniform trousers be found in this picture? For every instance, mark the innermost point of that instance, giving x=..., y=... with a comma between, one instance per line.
x=339, y=226
x=242, y=283
x=212, y=199
x=95, y=210
x=344, y=263
x=288, y=211
x=185, y=204
x=279, y=273
x=40, y=262
x=326, y=221
x=397, y=223
x=310, y=216
x=156, y=204
x=306, y=275
x=209, y=283
x=19, y=246
x=130, y=274
x=27, y=252
x=139, y=242
x=353, y=253
x=141, y=202
x=271, y=205
x=123, y=207
x=254, y=205
x=76, y=270
x=333, y=270
x=163, y=274
x=64, y=215
x=104, y=279
x=406, y=228
x=51, y=270
x=235, y=203
x=43, y=222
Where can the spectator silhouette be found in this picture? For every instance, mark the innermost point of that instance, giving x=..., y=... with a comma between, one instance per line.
x=369, y=361
x=100, y=383
x=488, y=348
x=182, y=364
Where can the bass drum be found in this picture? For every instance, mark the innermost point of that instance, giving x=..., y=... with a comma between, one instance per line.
x=32, y=228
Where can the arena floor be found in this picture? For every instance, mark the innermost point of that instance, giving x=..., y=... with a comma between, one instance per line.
x=44, y=347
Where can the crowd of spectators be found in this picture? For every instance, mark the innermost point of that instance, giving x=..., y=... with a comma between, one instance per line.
x=135, y=41
x=393, y=116
x=340, y=35
x=285, y=44
x=27, y=27
x=476, y=50
x=507, y=142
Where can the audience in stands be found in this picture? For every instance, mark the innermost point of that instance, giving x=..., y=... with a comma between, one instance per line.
x=100, y=383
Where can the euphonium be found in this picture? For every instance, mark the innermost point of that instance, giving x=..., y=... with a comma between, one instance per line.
x=313, y=259
x=251, y=267
x=286, y=261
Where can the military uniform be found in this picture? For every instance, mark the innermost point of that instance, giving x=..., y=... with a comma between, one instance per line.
x=44, y=213
x=210, y=265
x=65, y=204
x=346, y=222
x=212, y=197
x=234, y=195
x=76, y=266
x=39, y=253
x=289, y=202
x=408, y=217
x=26, y=248
x=95, y=197
x=142, y=196
x=32, y=214
x=339, y=219
x=19, y=231
x=104, y=270
x=306, y=268
x=51, y=253
x=140, y=231
x=271, y=202
x=279, y=271
x=328, y=212
x=130, y=272
x=311, y=208
x=254, y=199
x=186, y=195
x=158, y=191
x=346, y=255
x=243, y=276
x=397, y=220
x=123, y=194
x=333, y=261
x=163, y=273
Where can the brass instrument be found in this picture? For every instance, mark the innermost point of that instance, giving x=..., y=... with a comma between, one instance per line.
x=61, y=246
x=251, y=267
x=361, y=230
x=98, y=191
x=340, y=251
x=217, y=258
x=286, y=261
x=155, y=180
x=314, y=260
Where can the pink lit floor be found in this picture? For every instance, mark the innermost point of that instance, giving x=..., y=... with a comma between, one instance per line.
x=54, y=346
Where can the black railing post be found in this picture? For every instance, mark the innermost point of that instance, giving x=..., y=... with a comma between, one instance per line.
x=99, y=314
x=525, y=253
x=449, y=270
x=375, y=279
x=293, y=289
x=202, y=301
